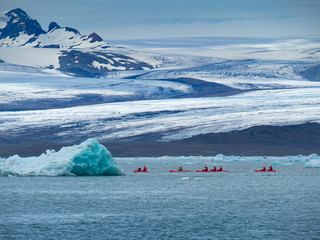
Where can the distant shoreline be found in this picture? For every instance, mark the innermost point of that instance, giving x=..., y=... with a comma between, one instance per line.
x=256, y=141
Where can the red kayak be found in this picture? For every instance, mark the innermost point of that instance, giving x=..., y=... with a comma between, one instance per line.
x=140, y=171
x=211, y=171
x=265, y=170
x=179, y=171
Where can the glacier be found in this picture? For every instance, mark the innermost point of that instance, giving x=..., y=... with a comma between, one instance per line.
x=90, y=158
x=46, y=105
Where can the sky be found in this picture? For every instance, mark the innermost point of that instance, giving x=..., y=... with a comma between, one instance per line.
x=147, y=19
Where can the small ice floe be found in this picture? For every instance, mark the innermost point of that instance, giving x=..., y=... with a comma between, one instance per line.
x=277, y=163
x=190, y=178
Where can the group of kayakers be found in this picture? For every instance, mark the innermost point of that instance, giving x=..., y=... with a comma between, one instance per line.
x=143, y=170
x=264, y=169
x=214, y=169
x=206, y=169
x=180, y=169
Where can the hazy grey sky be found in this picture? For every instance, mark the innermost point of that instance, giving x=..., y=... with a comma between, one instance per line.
x=132, y=19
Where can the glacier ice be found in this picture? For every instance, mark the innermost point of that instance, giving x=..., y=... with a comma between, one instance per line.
x=312, y=161
x=89, y=158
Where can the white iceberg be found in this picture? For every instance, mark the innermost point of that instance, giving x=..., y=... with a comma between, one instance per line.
x=89, y=158
x=312, y=161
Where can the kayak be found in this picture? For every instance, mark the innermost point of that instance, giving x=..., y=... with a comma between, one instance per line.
x=211, y=171
x=140, y=171
x=179, y=171
x=265, y=170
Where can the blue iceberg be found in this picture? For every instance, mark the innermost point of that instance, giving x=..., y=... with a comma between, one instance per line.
x=89, y=158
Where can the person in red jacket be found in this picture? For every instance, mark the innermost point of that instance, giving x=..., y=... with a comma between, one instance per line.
x=145, y=169
x=214, y=169
x=263, y=169
x=270, y=168
x=220, y=169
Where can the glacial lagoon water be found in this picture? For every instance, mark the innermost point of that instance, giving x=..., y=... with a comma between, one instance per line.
x=239, y=204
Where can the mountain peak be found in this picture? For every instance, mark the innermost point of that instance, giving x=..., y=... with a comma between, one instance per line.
x=94, y=38
x=20, y=22
x=53, y=25
x=17, y=12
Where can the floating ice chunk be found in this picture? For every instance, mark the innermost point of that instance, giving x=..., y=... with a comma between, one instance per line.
x=312, y=161
x=220, y=157
x=190, y=178
x=315, y=163
x=257, y=160
x=277, y=163
x=87, y=159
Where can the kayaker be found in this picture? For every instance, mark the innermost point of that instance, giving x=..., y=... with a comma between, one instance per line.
x=214, y=169
x=180, y=169
x=263, y=169
x=270, y=168
x=139, y=169
x=144, y=169
x=220, y=169
x=205, y=169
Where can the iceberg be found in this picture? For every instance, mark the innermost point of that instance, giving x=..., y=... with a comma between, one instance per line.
x=89, y=158
x=312, y=161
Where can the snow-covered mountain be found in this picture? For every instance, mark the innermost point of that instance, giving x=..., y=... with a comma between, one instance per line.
x=18, y=29
x=71, y=52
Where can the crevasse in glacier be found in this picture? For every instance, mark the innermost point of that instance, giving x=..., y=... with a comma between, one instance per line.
x=89, y=158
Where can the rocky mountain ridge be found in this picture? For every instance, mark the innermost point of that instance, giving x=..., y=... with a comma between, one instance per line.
x=20, y=30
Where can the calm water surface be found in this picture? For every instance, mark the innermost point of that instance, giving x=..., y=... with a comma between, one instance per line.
x=240, y=204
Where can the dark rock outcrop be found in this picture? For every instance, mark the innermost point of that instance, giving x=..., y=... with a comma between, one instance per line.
x=95, y=64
